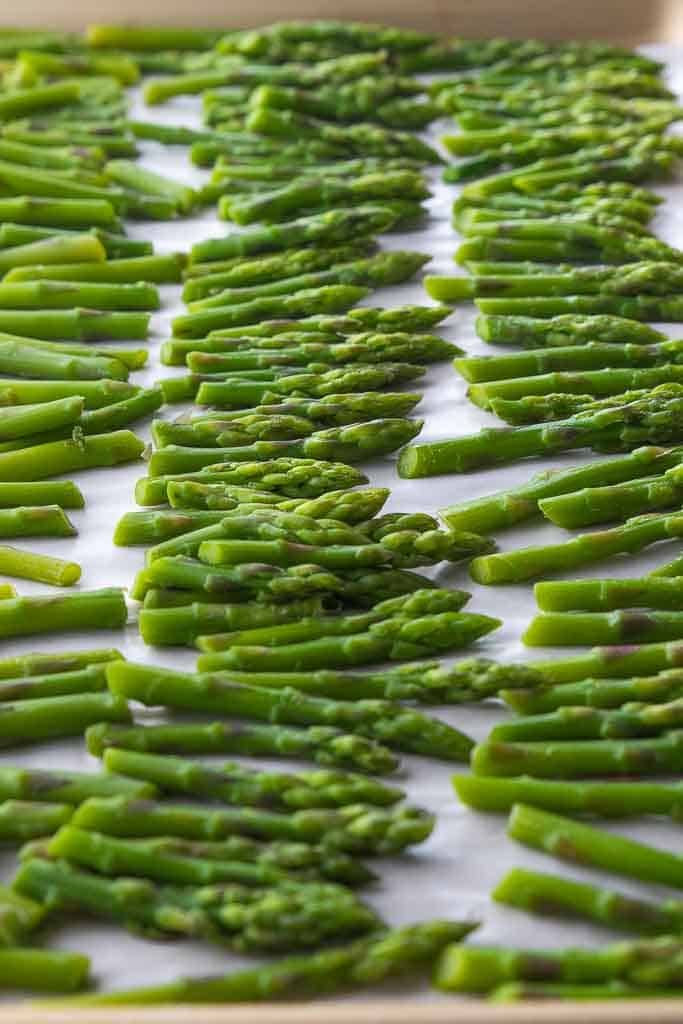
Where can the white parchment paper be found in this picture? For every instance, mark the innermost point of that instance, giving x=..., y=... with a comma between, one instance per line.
x=452, y=874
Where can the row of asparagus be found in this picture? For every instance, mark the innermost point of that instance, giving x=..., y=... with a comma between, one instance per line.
x=312, y=574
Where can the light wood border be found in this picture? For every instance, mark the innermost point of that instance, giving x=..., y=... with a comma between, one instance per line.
x=658, y=1011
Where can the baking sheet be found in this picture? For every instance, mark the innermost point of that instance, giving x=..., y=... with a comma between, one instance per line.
x=452, y=873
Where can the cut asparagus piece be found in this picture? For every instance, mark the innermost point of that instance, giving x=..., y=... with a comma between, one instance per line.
x=607, y=594
x=601, y=799
x=598, y=692
x=529, y=563
x=577, y=758
x=29, y=565
x=574, y=841
x=564, y=897
x=32, y=721
x=628, y=626
x=87, y=609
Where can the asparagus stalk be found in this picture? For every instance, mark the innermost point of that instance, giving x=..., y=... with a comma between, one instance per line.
x=20, y=917
x=236, y=392
x=31, y=784
x=357, y=829
x=330, y=228
x=327, y=299
x=572, y=840
x=473, y=679
x=177, y=626
x=629, y=626
x=546, y=490
x=604, y=799
x=54, y=458
x=528, y=563
x=592, y=505
x=295, y=859
x=70, y=294
x=21, y=820
x=633, y=719
x=95, y=394
x=567, y=329
x=273, y=585
x=613, y=426
x=365, y=962
x=564, y=897
x=380, y=720
x=381, y=269
x=40, y=521
x=27, y=665
x=605, y=595
x=32, y=721
x=345, y=506
x=93, y=609
x=158, y=269
x=234, y=784
x=484, y=968
x=78, y=323
x=143, y=859
x=572, y=759
x=43, y=970
x=599, y=692
x=325, y=745
x=294, y=478
x=29, y=565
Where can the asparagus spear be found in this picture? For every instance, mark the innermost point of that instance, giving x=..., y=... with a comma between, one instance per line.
x=43, y=970
x=330, y=228
x=158, y=268
x=305, y=193
x=78, y=323
x=546, y=491
x=572, y=840
x=147, y=38
x=74, y=214
x=598, y=692
x=472, y=679
x=603, y=627
x=484, y=968
x=601, y=595
x=271, y=584
x=45, y=460
x=44, y=664
x=94, y=609
x=327, y=746
x=640, y=307
x=20, y=917
x=380, y=720
x=70, y=294
x=234, y=392
x=315, y=627
x=24, y=784
x=234, y=784
x=365, y=962
x=591, y=356
x=577, y=758
x=144, y=859
x=352, y=443
x=345, y=506
x=364, y=318
x=290, y=914
x=28, y=565
x=564, y=897
x=593, y=505
x=528, y=563
x=40, y=521
x=174, y=626
x=613, y=427
x=295, y=478
x=357, y=829
x=295, y=859
x=564, y=330
x=21, y=820
x=382, y=269
x=327, y=299
x=95, y=394
x=31, y=721
x=632, y=719
x=604, y=799
x=55, y=492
